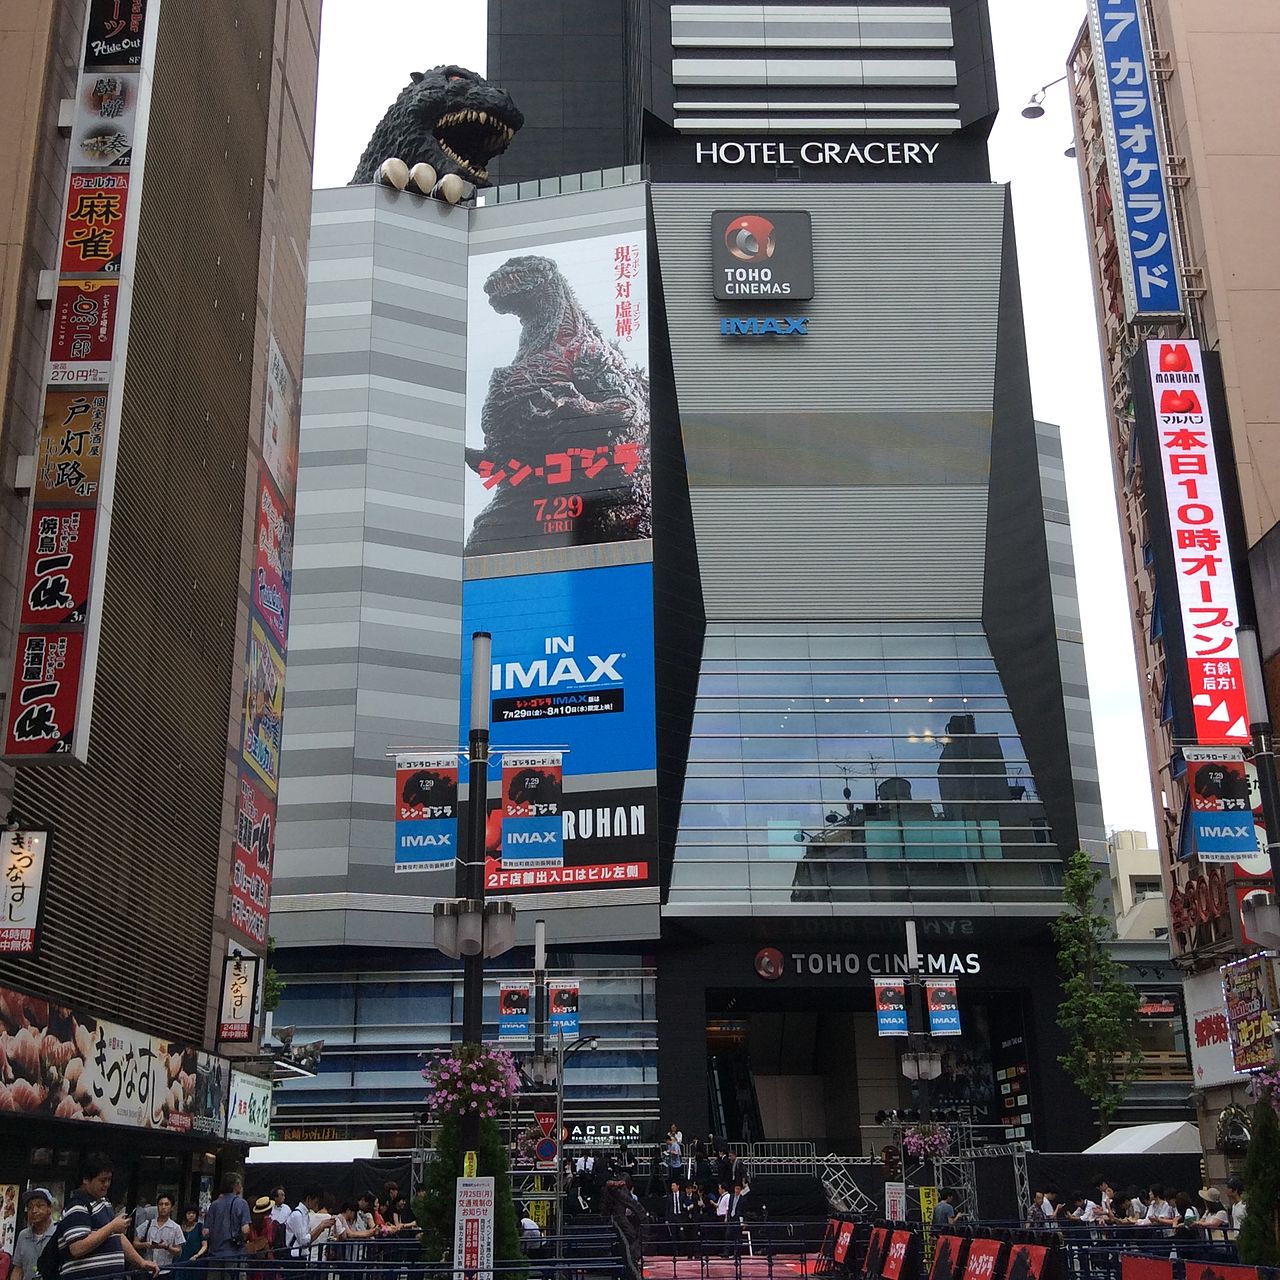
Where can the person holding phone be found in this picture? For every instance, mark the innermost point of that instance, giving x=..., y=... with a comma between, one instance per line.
x=161, y=1238
x=93, y=1238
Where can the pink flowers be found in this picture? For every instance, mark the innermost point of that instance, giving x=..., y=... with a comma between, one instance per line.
x=470, y=1079
x=1266, y=1085
x=926, y=1140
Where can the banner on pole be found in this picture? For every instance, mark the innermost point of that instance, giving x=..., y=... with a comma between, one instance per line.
x=513, y=1011
x=891, y=1007
x=532, y=829
x=944, y=1007
x=562, y=1005
x=426, y=811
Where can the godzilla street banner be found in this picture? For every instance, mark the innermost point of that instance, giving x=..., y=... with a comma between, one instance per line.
x=426, y=811
x=532, y=783
x=558, y=397
x=513, y=1011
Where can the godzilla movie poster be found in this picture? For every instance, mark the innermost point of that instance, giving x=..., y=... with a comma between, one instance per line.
x=558, y=397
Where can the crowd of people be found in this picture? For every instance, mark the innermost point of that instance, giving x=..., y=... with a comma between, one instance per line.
x=1211, y=1213
x=95, y=1239
x=699, y=1189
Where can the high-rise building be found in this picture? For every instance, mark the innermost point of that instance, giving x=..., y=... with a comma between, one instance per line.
x=716, y=414
x=1177, y=182
x=151, y=309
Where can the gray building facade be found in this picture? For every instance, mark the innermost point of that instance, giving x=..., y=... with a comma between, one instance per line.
x=869, y=682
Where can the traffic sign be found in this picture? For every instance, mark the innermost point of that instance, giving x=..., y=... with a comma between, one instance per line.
x=546, y=1121
x=546, y=1149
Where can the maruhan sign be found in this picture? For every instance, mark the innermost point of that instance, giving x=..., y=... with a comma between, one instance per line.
x=833, y=152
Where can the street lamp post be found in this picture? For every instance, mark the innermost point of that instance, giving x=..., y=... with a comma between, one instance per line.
x=921, y=1062
x=470, y=872
x=467, y=926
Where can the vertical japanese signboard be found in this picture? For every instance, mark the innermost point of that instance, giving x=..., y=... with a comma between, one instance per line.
x=426, y=811
x=64, y=566
x=22, y=855
x=473, y=1229
x=1250, y=996
x=239, y=999
x=1144, y=219
x=1198, y=534
x=275, y=458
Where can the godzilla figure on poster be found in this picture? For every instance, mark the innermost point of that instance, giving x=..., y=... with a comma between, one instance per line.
x=558, y=397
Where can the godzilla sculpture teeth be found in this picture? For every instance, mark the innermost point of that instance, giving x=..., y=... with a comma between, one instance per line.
x=448, y=119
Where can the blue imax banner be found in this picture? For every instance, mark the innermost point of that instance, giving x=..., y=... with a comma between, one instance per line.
x=572, y=664
x=1143, y=219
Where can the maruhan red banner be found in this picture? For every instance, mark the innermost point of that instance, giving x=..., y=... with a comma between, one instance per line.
x=1198, y=533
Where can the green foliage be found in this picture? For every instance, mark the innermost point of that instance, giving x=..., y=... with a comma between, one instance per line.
x=433, y=1205
x=1098, y=1010
x=272, y=987
x=1258, y=1244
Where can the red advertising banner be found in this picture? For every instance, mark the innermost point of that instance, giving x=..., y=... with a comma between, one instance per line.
x=1026, y=1262
x=877, y=1246
x=1133, y=1267
x=83, y=330
x=273, y=562
x=93, y=230
x=1212, y=1271
x=55, y=587
x=252, y=859
x=844, y=1238
x=1198, y=532
x=69, y=451
x=946, y=1257
x=895, y=1257
x=984, y=1260
x=46, y=682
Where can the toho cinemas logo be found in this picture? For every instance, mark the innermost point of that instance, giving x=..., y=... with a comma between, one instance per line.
x=762, y=254
x=772, y=964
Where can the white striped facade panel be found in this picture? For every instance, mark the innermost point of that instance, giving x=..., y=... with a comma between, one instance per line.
x=877, y=553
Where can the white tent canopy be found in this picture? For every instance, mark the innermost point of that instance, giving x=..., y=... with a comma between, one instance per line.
x=1178, y=1137
x=342, y=1152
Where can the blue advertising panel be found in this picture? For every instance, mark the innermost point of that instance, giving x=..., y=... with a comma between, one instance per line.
x=426, y=811
x=1144, y=221
x=572, y=664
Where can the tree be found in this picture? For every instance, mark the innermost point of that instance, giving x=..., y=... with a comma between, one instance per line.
x=1098, y=1010
x=1258, y=1243
x=433, y=1206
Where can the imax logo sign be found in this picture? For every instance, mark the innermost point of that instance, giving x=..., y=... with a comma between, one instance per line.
x=548, y=672
x=757, y=326
x=511, y=837
x=1229, y=831
x=426, y=842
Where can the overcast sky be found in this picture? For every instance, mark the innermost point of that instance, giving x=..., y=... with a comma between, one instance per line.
x=368, y=48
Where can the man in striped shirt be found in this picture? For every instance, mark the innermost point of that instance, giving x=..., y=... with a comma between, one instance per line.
x=93, y=1238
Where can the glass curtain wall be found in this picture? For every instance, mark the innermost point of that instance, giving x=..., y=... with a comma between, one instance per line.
x=857, y=764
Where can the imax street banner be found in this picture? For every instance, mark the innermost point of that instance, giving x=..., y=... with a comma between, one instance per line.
x=1222, y=823
x=426, y=811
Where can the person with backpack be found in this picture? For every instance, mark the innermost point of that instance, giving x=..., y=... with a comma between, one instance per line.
x=92, y=1239
x=226, y=1227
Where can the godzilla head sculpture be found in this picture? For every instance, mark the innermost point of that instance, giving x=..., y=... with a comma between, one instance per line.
x=449, y=120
